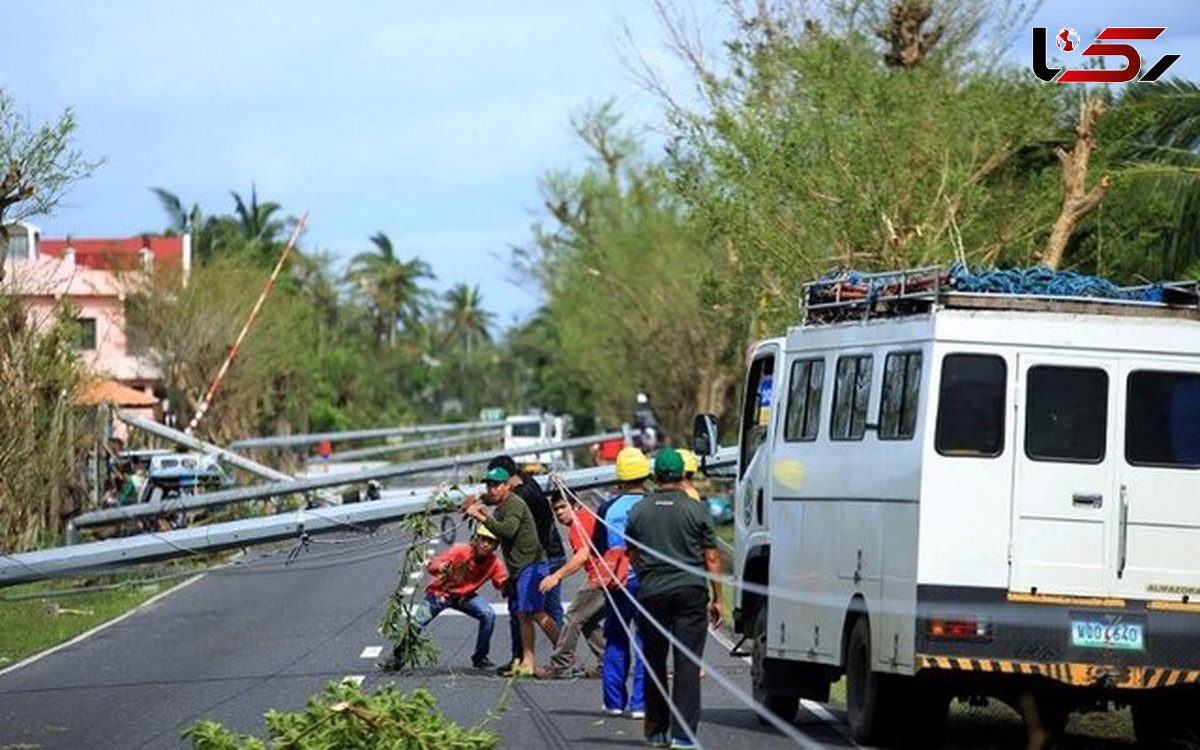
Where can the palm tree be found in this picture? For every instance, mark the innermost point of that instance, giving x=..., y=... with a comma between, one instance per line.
x=466, y=320
x=391, y=286
x=194, y=222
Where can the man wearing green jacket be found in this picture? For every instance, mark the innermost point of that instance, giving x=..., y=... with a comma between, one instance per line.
x=513, y=524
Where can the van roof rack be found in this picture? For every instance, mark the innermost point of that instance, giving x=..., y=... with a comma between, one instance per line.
x=853, y=295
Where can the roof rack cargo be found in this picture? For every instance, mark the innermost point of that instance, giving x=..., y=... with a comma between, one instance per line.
x=853, y=295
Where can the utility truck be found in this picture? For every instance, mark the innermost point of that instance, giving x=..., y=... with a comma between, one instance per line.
x=945, y=492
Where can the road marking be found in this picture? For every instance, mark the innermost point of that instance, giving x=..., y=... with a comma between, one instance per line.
x=371, y=652
x=43, y=654
x=407, y=590
x=355, y=679
x=816, y=709
x=498, y=608
x=415, y=575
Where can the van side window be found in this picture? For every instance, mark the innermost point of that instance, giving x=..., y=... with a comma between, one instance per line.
x=851, y=392
x=1162, y=419
x=1066, y=415
x=756, y=410
x=804, y=400
x=901, y=394
x=971, y=406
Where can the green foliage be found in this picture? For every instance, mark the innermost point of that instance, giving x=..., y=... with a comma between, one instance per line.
x=37, y=165
x=344, y=717
x=39, y=378
x=411, y=647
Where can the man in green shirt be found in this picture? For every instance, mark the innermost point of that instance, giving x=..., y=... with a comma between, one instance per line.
x=513, y=524
x=679, y=529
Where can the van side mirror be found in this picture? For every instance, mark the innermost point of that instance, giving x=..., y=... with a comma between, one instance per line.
x=705, y=440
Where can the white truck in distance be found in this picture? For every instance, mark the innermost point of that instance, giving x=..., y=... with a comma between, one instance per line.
x=945, y=494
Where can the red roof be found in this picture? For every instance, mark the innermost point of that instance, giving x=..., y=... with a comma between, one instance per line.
x=117, y=254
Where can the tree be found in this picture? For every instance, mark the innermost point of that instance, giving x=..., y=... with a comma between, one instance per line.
x=466, y=322
x=626, y=272
x=37, y=166
x=392, y=286
x=867, y=134
x=203, y=229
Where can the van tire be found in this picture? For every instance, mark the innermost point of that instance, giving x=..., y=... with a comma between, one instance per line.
x=873, y=700
x=1165, y=723
x=785, y=707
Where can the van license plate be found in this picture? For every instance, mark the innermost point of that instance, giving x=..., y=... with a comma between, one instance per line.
x=1099, y=634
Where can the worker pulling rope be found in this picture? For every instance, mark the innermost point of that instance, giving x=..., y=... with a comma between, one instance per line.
x=205, y=402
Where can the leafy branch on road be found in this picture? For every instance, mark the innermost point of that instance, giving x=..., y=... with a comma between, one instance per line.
x=411, y=648
x=343, y=716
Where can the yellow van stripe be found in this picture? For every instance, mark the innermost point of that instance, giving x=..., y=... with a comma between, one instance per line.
x=1069, y=601
x=1071, y=673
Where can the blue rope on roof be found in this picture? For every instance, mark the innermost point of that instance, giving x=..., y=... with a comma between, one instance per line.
x=1040, y=280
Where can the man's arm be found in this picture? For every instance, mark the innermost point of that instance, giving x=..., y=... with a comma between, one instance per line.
x=503, y=525
x=438, y=563
x=499, y=574
x=712, y=564
x=575, y=563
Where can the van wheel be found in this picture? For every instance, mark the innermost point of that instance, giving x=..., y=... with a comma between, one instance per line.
x=1166, y=724
x=783, y=706
x=872, y=702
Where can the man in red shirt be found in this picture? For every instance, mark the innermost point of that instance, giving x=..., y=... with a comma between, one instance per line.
x=586, y=613
x=458, y=574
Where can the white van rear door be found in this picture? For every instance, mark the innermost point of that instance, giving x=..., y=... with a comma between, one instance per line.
x=1065, y=504
x=1159, y=481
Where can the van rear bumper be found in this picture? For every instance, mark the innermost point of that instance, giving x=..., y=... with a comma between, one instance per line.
x=1032, y=636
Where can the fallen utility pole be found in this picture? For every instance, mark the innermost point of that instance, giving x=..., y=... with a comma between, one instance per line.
x=293, y=441
x=180, y=438
x=383, y=450
x=295, y=486
x=114, y=553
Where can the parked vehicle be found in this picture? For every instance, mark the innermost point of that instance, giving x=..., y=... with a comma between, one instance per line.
x=175, y=474
x=523, y=431
x=958, y=494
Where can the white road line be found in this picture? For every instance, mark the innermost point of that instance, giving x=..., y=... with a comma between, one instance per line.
x=415, y=575
x=371, y=652
x=816, y=709
x=356, y=679
x=55, y=649
x=407, y=590
x=499, y=608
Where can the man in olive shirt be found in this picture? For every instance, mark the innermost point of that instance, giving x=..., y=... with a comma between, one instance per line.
x=678, y=528
x=513, y=525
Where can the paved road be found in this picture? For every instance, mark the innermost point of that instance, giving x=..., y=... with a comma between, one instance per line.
x=259, y=635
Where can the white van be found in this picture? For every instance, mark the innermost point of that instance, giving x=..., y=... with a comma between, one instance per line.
x=955, y=494
x=522, y=432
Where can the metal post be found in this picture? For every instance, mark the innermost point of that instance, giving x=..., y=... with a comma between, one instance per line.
x=175, y=436
x=295, y=441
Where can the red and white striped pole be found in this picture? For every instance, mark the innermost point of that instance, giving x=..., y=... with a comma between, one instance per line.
x=202, y=409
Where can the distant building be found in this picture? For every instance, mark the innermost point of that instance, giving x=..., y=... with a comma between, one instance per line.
x=97, y=276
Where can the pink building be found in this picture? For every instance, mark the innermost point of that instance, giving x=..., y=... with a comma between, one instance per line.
x=96, y=277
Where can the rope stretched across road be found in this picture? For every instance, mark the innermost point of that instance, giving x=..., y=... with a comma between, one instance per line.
x=732, y=688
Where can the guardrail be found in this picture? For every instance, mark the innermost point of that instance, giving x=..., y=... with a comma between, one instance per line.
x=384, y=450
x=292, y=441
x=296, y=486
x=114, y=553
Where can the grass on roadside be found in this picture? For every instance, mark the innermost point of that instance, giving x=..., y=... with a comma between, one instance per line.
x=37, y=616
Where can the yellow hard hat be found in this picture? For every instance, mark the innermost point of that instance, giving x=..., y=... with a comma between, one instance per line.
x=691, y=464
x=483, y=532
x=632, y=465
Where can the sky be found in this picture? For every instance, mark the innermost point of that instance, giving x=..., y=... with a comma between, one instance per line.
x=429, y=121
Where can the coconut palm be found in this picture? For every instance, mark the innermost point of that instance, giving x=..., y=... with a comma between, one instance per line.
x=466, y=322
x=392, y=287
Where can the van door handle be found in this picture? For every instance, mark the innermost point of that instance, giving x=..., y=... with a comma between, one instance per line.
x=1082, y=499
x=1123, y=539
x=759, y=507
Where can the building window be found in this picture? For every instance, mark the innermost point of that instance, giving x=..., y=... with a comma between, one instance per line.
x=851, y=392
x=1067, y=414
x=87, y=333
x=971, y=404
x=901, y=396
x=804, y=400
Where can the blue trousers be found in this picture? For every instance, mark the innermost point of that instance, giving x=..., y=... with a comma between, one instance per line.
x=554, y=608
x=618, y=654
x=473, y=606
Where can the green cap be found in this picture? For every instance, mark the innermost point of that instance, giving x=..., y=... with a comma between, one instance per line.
x=496, y=476
x=668, y=465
